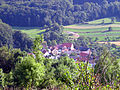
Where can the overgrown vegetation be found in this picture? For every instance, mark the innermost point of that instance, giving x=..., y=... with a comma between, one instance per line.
x=15, y=39
x=42, y=73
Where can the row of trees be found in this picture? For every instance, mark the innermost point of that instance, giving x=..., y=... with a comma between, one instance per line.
x=64, y=12
x=54, y=35
x=32, y=72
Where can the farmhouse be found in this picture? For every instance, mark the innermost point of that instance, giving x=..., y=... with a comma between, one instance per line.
x=68, y=46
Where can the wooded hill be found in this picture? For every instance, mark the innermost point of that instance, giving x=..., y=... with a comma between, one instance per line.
x=63, y=12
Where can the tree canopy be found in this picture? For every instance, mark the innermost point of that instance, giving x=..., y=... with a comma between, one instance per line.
x=15, y=39
x=63, y=12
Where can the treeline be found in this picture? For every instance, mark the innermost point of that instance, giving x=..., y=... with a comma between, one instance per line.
x=15, y=39
x=63, y=12
x=94, y=1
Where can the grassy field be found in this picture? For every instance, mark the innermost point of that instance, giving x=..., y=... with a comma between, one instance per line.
x=95, y=29
x=31, y=31
x=85, y=30
x=89, y=29
x=99, y=21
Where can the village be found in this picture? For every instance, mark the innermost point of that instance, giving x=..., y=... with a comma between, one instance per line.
x=67, y=49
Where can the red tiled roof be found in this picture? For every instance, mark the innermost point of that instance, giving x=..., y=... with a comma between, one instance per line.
x=83, y=54
x=66, y=44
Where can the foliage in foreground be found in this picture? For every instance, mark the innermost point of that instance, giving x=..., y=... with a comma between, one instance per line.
x=38, y=72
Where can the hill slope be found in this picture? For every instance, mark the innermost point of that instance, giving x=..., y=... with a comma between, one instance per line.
x=28, y=13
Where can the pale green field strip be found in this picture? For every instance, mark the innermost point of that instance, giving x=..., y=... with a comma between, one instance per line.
x=115, y=28
x=31, y=31
x=106, y=20
x=92, y=26
x=25, y=28
x=85, y=30
x=102, y=38
x=100, y=34
x=99, y=21
x=91, y=30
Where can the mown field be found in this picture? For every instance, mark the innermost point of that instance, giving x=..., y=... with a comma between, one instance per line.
x=96, y=28
x=31, y=31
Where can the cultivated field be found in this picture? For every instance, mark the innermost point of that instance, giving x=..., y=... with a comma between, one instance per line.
x=88, y=26
x=96, y=29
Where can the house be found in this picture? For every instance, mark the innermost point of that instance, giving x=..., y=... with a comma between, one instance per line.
x=82, y=57
x=84, y=54
x=85, y=50
x=54, y=51
x=45, y=52
x=69, y=46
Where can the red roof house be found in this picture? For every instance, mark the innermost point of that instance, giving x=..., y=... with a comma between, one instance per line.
x=68, y=46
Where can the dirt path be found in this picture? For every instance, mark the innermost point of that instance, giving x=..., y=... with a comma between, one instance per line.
x=116, y=43
x=90, y=27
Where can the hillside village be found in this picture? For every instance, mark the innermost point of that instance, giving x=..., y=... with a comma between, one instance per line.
x=67, y=49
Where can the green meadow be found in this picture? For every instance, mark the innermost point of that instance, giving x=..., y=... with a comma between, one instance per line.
x=85, y=30
x=99, y=21
x=31, y=31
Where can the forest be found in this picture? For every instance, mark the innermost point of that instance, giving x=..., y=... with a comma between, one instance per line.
x=63, y=12
x=14, y=39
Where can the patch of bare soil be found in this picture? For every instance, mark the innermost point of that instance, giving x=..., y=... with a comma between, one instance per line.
x=116, y=43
